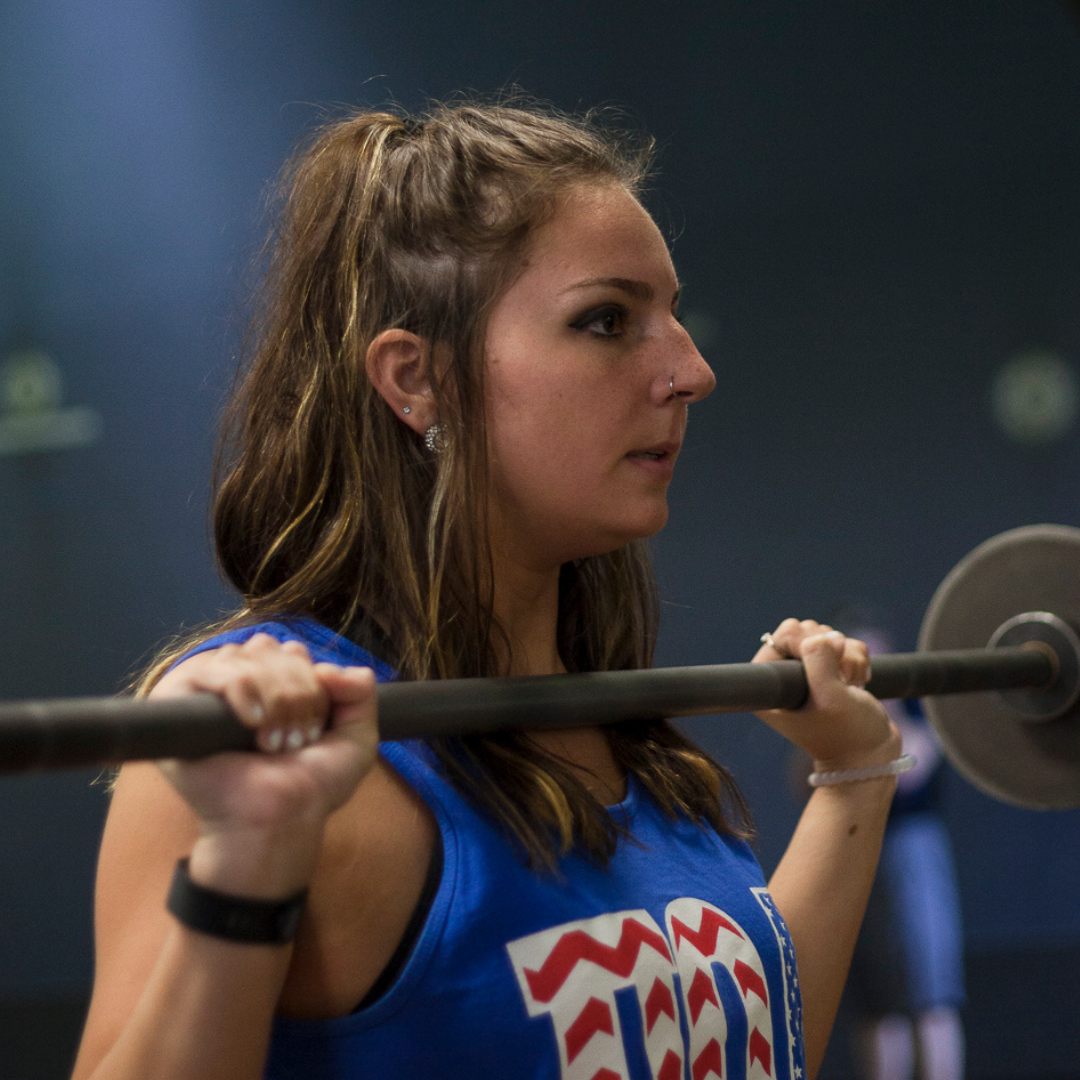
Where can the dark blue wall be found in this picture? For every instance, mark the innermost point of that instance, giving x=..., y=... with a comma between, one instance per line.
x=874, y=206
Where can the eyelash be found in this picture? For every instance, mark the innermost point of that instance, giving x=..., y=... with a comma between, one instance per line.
x=609, y=311
x=618, y=311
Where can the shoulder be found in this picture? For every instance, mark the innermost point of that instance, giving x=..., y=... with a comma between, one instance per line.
x=324, y=644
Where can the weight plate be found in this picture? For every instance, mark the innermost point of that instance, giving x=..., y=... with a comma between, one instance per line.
x=1035, y=568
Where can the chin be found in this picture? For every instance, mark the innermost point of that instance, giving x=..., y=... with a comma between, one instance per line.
x=652, y=523
x=645, y=532
x=639, y=530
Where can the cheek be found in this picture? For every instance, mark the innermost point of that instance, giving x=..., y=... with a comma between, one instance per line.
x=528, y=412
x=530, y=450
x=557, y=430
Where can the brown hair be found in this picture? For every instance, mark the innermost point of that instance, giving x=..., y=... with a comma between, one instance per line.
x=328, y=505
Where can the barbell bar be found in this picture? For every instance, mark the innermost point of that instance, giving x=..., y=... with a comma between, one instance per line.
x=1024, y=669
x=92, y=731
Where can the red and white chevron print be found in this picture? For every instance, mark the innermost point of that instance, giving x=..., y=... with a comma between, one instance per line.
x=571, y=973
x=702, y=936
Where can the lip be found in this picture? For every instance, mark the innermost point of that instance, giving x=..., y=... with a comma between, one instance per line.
x=662, y=466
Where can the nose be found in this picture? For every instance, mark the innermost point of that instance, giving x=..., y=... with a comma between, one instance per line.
x=690, y=378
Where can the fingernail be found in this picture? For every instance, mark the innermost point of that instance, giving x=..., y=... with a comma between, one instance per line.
x=272, y=740
x=834, y=634
x=314, y=733
x=257, y=712
x=295, y=739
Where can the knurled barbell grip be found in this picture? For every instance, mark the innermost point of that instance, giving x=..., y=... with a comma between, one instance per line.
x=77, y=732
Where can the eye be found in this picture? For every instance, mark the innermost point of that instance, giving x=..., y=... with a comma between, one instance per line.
x=608, y=321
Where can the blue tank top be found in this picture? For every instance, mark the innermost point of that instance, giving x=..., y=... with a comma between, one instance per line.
x=669, y=963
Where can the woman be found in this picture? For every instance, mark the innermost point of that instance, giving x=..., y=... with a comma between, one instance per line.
x=460, y=422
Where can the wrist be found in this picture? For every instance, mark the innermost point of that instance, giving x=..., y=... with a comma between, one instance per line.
x=241, y=920
x=890, y=749
x=890, y=770
x=255, y=864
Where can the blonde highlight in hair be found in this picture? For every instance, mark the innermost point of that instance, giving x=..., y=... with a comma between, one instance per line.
x=329, y=506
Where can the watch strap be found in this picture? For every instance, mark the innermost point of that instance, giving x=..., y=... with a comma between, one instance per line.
x=234, y=918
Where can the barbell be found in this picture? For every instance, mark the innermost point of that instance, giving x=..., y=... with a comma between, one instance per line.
x=998, y=668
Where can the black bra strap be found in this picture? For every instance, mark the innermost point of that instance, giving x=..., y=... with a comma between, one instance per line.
x=388, y=975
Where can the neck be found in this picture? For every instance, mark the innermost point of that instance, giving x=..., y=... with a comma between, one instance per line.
x=526, y=607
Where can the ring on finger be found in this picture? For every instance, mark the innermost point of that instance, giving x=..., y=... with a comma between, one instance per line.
x=768, y=639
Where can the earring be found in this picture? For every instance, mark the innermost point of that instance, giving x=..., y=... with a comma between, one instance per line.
x=435, y=438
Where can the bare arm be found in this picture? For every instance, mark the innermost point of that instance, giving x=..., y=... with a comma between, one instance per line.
x=823, y=881
x=821, y=888
x=171, y=1002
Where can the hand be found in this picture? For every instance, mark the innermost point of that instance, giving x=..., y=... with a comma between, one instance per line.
x=841, y=726
x=317, y=735
x=919, y=741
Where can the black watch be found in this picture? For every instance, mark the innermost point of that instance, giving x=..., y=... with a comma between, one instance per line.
x=234, y=918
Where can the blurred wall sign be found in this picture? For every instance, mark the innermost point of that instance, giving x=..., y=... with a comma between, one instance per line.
x=32, y=419
x=1035, y=397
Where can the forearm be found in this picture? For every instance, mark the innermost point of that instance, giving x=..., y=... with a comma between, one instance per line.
x=207, y=1005
x=206, y=1013
x=821, y=888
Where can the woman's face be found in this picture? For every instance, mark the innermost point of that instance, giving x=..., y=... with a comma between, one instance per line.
x=582, y=352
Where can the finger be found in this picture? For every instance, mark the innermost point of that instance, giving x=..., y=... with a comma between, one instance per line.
x=297, y=649
x=781, y=643
x=258, y=643
x=347, y=682
x=353, y=710
x=793, y=632
x=267, y=686
x=230, y=678
x=855, y=663
x=821, y=657
x=272, y=686
x=810, y=628
x=351, y=692
x=296, y=705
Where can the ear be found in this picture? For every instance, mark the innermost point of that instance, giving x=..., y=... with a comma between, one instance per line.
x=399, y=366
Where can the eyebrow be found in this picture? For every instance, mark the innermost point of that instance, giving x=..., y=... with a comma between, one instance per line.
x=640, y=290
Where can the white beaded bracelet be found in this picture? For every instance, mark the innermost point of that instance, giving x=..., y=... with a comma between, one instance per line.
x=848, y=776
